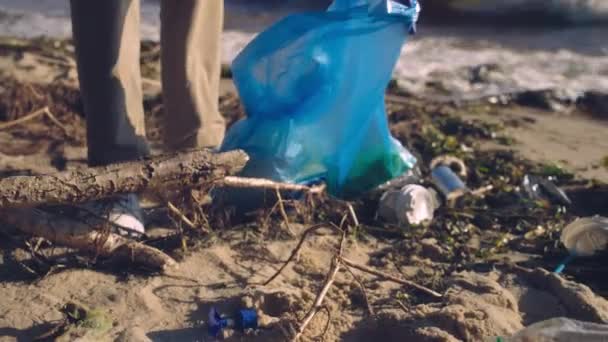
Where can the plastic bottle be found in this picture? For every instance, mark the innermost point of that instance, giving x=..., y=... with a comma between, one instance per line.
x=412, y=204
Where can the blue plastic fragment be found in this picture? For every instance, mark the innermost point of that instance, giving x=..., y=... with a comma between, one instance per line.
x=313, y=89
x=216, y=323
x=403, y=9
x=562, y=266
x=446, y=180
x=247, y=319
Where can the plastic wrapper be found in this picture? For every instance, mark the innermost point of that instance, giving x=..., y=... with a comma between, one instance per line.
x=539, y=188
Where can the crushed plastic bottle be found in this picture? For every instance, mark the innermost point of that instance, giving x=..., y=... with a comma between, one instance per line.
x=413, y=204
x=586, y=236
x=413, y=176
x=539, y=188
x=583, y=238
x=313, y=89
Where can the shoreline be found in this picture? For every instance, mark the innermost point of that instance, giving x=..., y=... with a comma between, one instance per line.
x=440, y=61
x=468, y=250
x=460, y=63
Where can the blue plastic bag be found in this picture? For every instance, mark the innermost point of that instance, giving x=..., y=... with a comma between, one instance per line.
x=313, y=89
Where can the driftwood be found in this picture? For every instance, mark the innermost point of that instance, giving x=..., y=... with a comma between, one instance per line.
x=259, y=183
x=94, y=234
x=76, y=186
x=86, y=233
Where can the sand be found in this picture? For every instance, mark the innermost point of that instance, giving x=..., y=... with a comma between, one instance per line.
x=491, y=298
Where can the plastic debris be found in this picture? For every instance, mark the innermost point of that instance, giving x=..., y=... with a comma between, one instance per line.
x=557, y=100
x=244, y=319
x=560, y=330
x=455, y=163
x=313, y=90
x=413, y=204
x=247, y=319
x=586, y=236
x=539, y=188
x=448, y=182
x=217, y=323
x=413, y=176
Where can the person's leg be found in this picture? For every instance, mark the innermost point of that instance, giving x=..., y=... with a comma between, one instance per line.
x=107, y=42
x=106, y=38
x=191, y=66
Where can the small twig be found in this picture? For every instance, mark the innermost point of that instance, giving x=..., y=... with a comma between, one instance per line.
x=28, y=269
x=296, y=250
x=56, y=61
x=317, y=306
x=35, y=253
x=24, y=119
x=54, y=119
x=370, y=310
x=172, y=208
x=326, y=329
x=33, y=91
x=515, y=267
x=353, y=215
x=329, y=280
x=206, y=224
x=482, y=191
x=284, y=213
x=242, y=182
x=342, y=240
x=201, y=213
x=42, y=111
x=402, y=306
x=270, y=212
x=391, y=278
x=343, y=222
x=34, y=248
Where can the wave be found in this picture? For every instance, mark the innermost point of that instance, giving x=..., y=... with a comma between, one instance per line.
x=526, y=12
x=441, y=59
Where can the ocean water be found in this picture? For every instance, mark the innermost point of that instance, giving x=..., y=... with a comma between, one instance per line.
x=574, y=11
x=440, y=56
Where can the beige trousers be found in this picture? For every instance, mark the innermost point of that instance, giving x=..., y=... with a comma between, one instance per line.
x=107, y=40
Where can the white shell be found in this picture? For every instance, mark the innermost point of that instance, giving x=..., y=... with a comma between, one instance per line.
x=586, y=236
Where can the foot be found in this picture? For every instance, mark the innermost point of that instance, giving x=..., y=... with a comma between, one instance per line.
x=122, y=212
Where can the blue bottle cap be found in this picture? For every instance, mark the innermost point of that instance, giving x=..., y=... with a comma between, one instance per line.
x=216, y=323
x=247, y=319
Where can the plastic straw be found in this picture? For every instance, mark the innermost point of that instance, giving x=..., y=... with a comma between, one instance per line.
x=560, y=268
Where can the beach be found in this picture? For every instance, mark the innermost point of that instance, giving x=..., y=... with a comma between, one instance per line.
x=510, y=100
